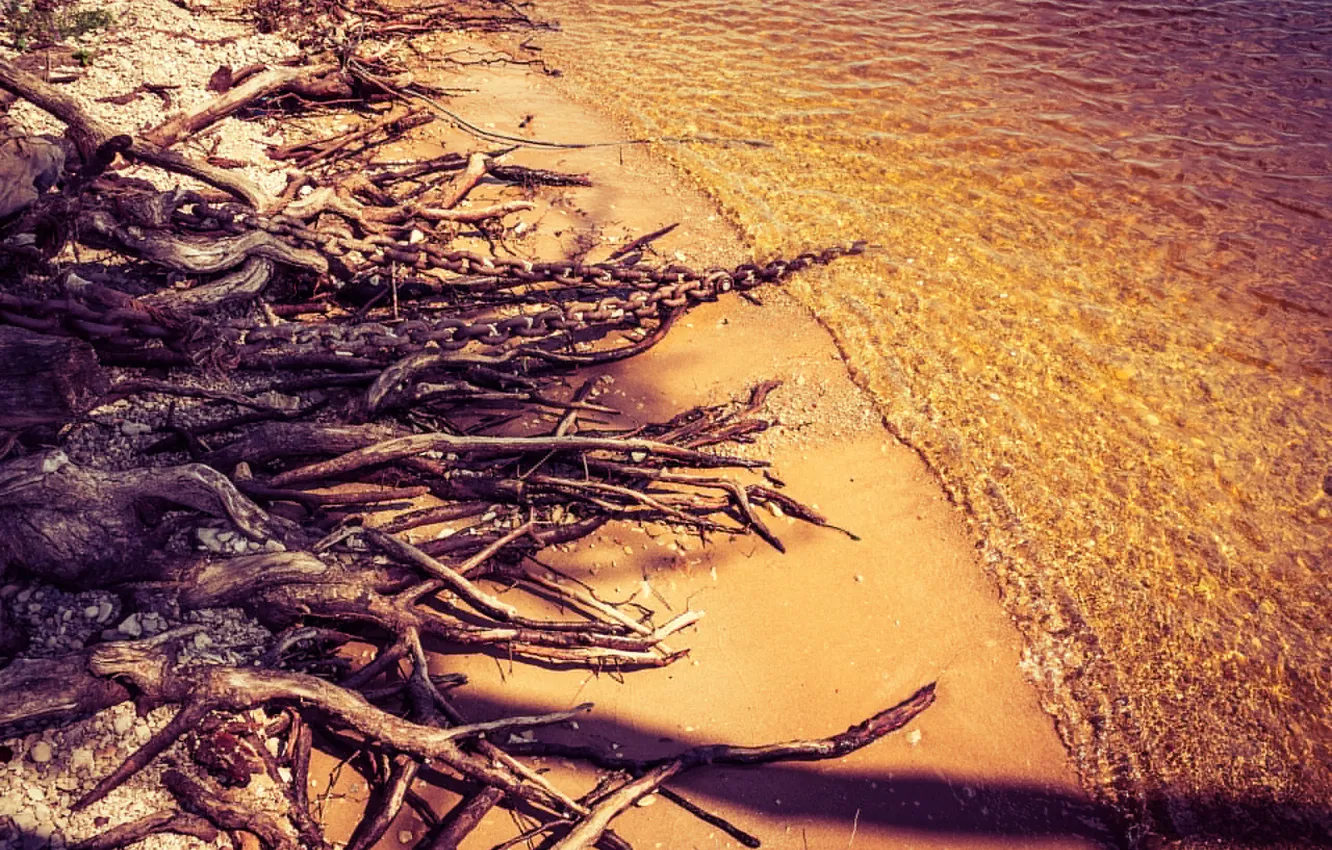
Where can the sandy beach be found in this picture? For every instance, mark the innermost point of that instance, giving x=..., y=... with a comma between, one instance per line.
x=807, y=642
x=794, y=645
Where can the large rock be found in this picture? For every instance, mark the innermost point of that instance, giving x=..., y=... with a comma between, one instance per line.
x=29, y=167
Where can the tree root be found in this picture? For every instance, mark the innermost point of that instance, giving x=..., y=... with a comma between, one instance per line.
x=385, y=368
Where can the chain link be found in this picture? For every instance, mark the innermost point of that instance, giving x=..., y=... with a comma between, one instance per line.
x=632, y=295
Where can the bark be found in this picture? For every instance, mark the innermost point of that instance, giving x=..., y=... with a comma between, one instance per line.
x=46, y=379
x=37, y=693
x=89, y=133
x=74, y=525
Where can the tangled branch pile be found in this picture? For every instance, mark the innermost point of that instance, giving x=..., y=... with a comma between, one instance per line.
x=349, y=360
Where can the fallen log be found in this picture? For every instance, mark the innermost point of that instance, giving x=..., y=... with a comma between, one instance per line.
x=43, y=692
x=69, y=524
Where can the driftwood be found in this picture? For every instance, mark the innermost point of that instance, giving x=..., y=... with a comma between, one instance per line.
x=46, y=379
x=66, y=523
x=254, y=88
x=43, y=692
x=384, y=368
x=89, y=134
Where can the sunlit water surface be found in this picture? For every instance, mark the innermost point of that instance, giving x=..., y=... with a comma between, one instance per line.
x=1101, y=311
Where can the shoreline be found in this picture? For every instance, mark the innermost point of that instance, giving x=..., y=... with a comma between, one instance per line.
x=714, y=354
x=1128, y=415
x=983, y=767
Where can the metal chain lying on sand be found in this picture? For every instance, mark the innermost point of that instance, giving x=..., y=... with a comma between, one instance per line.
x=561, y=297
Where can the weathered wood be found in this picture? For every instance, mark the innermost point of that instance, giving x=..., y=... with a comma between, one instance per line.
x=89, y=133
x=46, y=379
x=242, y=284
x=69, y=524
x=259, y=86
x=36, y=693
x=201, y=256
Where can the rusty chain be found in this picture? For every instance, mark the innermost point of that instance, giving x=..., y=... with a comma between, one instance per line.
x=633, y=294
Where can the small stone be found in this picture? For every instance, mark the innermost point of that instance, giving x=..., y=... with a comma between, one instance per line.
x=202, y=641
x=1152, y=419
x=207, y=538
x=913, y=737
x=405, y=836
x=81, y=760
x=104, y=610
x=644, y=802
x=131, y=626
x=123, y=723
x=41, y=754
x=859, y=577
x=133, y=429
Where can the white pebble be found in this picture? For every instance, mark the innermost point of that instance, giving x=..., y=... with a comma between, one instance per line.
x=913, y=737
x=81, y=760
x=123, y=723
x=41, y=754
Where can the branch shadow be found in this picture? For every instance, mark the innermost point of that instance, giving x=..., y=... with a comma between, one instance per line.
x=921, y=802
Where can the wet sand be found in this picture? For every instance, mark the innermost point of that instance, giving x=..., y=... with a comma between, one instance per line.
x=796, y=645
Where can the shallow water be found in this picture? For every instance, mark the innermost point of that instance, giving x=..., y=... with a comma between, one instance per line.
x=1101, y=309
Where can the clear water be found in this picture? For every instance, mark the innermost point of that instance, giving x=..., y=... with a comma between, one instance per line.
x=1102, y=311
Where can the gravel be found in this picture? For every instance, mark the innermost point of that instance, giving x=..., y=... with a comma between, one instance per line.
x=153, y=42
x=185, y=51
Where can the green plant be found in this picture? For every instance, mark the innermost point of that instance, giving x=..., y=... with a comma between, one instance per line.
x=84, y=21
x=84, y=56
x=31, y=22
